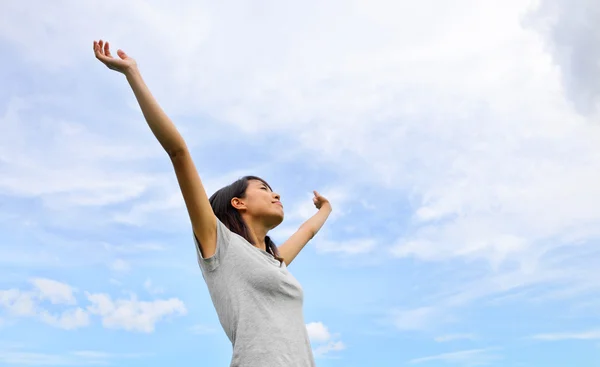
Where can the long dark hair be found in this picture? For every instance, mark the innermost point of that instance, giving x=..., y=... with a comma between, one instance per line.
x=231, y=217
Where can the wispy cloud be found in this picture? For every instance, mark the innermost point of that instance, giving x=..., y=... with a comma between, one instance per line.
x=584, y=335
x=328, y=348
x=201, y=329
x=421, y=318
x=152, y=288
x=472, y=357
x=120, y=266
x=26, y=357
x=359, y=246
x=454, y=337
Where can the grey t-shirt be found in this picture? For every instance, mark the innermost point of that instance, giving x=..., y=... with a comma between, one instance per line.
x=259, y=304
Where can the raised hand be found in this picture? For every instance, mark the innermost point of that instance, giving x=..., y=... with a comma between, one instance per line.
x=320, y=200
x=123, y=64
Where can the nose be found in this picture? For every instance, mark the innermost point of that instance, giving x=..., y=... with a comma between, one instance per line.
x=276, y=196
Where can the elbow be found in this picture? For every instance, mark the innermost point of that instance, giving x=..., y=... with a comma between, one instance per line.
x=177, y=152
x=307, y=232
x=311, y=233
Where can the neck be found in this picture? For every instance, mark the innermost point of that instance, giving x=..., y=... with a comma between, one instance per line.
x=258, y=232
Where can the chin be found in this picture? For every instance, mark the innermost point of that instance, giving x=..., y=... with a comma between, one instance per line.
x=276, y=220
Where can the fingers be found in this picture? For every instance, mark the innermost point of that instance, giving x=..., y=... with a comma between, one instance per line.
x=107, y=50
x=122, y=54
x=98, y=50
x=102, y=50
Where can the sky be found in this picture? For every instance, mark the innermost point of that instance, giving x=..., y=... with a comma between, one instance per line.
x=458, y=142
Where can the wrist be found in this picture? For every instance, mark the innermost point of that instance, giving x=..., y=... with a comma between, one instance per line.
x=131, y=72
x=326, y=208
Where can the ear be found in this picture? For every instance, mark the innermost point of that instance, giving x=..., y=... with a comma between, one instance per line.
x=238, y=203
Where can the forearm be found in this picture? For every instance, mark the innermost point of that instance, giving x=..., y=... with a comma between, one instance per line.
x=161, y=125
x=314, y=224
x=292, y=247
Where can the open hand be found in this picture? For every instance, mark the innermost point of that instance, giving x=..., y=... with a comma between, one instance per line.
x=123, y=64
x=320, y=201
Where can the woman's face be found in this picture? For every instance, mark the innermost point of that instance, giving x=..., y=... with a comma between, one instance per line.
x=260, y=202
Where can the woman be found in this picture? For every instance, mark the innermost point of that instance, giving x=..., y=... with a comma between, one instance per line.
x=259, y=303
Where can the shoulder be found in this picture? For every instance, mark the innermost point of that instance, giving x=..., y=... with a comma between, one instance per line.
x=224, y=237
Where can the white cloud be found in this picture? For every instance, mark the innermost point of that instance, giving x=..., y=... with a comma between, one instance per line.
x=41, y=172
x=128, y=314
x=499, y=169
x=376, y=124
x=54, y=291
x=133, y=314
x=151, y=288
x=68, y=320
x=331, y=346
x=318, y=332
x=454, y=337
x=91, y=354
x=202, y=329
x=138, y=214
x=19, y=356
x=323, y=340
x=18, y=303
x=571, y=34
x=473, y=357
x=347, y=247
x=586, y=335
x=94, y=354
x=120, y=266
x=134, y=248
x=421, y=318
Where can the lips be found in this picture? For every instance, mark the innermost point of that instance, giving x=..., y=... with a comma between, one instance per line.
x=279, y=203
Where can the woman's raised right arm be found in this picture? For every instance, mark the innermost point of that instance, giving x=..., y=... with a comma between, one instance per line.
x=204, y=222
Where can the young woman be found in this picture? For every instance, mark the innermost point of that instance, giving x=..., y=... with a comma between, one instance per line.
x=259, y=303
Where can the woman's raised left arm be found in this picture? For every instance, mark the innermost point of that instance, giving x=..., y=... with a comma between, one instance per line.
x=292, y=247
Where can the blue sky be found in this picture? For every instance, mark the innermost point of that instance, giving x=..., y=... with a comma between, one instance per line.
x=457, y=142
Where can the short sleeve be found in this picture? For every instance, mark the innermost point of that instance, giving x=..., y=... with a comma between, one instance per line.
x=223, y=238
